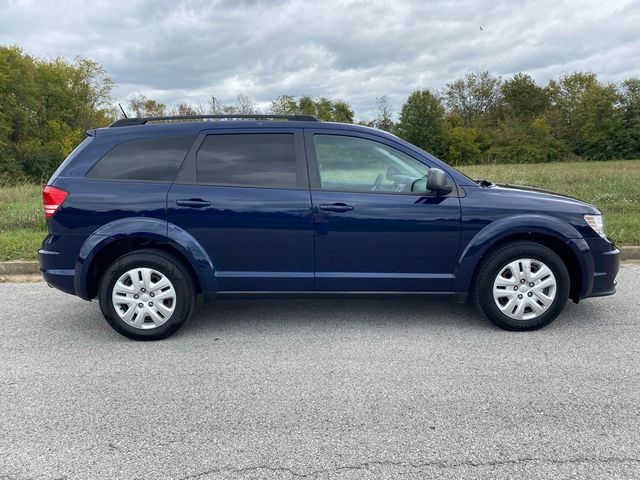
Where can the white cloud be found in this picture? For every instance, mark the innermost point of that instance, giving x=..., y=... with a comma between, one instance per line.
x=355, y=50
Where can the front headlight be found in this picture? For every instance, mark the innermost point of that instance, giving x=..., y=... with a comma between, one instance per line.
x=595, y=222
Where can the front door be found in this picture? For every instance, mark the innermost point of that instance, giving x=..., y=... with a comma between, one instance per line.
x=377, y=227
x=244, y=196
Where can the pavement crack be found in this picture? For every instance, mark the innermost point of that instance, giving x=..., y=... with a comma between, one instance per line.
x=553, y=461
x=413, y=465
x=213, y=471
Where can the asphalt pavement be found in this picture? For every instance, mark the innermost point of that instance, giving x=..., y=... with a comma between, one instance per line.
x=319, y=389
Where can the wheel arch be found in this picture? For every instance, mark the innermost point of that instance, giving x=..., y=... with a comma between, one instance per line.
x=119, y=237
x=551, y=232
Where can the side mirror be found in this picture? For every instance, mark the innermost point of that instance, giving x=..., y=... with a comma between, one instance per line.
x=437, y=182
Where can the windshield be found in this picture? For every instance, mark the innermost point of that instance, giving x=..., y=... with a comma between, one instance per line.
x=427, y=154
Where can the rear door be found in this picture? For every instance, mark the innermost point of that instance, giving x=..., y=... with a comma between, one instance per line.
x=243, y=194
x=377, y=227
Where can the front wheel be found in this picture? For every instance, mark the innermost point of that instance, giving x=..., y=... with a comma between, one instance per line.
x=146, y=295
x=522, y=286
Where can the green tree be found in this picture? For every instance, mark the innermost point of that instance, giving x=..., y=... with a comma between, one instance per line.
x=520, y=134
x=585, y=113
x=244, y=105
x=342, y=112
x=46, y=105
x=324, y=108
x=462, y=145
x=523, y=98
x=18, y=108
x=284, y=105
x=306, y=106
x=92, y=88
x=384, y=114
x=514, y=141
x=630, y=110
x=183, y=109
x=143, y=106
x=421, y=121
x=474, y=97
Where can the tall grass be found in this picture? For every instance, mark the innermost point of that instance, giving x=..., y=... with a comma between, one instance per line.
x=22, y=224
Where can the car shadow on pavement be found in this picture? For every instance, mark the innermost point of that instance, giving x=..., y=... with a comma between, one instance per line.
x=333, y=313
x=281, y=316
x=423, y=314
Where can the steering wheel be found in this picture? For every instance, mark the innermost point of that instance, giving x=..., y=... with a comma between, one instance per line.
x=377, y=185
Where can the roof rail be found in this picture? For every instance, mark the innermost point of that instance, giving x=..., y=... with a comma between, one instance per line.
x=125, y=122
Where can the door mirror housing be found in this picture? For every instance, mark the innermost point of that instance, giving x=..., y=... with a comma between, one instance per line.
x=437, y=182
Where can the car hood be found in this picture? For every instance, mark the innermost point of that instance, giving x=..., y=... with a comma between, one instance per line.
x=539, y=196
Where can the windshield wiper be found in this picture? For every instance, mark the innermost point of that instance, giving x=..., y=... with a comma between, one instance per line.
x=484, y=183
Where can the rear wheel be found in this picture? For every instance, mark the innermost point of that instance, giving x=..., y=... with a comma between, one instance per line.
x=522, y=286
x=146, y=295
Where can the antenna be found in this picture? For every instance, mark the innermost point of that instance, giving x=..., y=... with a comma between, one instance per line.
x=123, y=112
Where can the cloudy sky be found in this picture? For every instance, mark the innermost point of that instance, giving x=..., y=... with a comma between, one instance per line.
x=355, y=50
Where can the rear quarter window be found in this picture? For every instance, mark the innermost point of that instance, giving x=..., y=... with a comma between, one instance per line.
x=70, y=158
x=145, y=159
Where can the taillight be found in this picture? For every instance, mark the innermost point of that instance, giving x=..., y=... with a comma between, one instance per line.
x=53, y=199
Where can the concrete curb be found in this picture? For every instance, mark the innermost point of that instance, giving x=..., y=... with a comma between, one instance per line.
x=19, y=267
x=629, y=253
x=31, y=267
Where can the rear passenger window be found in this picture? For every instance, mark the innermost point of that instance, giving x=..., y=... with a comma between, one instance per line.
x=155, y=159
x=255, y=160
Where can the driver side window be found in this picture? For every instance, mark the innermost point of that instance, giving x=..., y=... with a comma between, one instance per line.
x=360, y=165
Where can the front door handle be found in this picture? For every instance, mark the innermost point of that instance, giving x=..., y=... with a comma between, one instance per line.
x=192, y=202
x=335, y=207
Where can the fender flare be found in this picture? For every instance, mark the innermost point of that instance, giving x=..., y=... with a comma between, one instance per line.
x=147, y=228
x=497, y=231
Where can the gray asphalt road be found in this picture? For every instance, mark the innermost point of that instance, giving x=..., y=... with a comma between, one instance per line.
x=319, y=389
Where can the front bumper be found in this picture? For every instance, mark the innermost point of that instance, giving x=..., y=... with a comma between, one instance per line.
x=606, y=263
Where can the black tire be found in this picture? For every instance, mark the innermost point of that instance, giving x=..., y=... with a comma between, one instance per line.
x=493, y=265
x=170, y=267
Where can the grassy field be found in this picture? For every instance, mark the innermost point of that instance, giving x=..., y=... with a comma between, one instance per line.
x=614, y=187
x=22, y=225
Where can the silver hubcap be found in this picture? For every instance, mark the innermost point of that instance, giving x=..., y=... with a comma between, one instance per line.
x=144, y=298
x=524, y=289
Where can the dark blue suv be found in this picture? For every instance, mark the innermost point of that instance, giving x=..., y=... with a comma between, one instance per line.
x=150, y=213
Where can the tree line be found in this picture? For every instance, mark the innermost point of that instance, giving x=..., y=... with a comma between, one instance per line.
x=46, y=105
x=45, y=108
x=483, y=118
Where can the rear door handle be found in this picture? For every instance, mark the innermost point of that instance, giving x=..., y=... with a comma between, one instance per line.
x=192, y=202
x=335, y=207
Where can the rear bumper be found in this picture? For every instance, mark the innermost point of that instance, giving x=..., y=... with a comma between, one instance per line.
x=60, y=279
x=57, y=260
x=606, y=263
